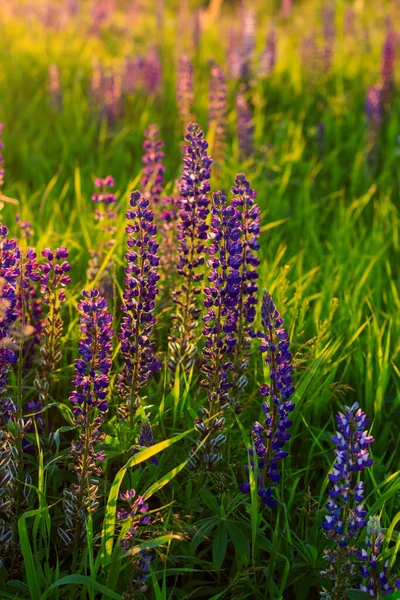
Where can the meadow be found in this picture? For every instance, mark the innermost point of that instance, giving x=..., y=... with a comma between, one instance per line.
x=199, y=315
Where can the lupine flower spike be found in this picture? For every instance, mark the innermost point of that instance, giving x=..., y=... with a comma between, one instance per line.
x=271, y=435
x=185, y=89
x=346, y=515
x=221, y=298
x=217, y=108
x=89, y=400
x=245, y=126
x=53, y=279
x=193, y=209
x=249, y=215
x=137, y=516
x=153, y=169
x=9, y=454
x=374, y=569
x=2, y=171
x=141, y=279
x=104, y=199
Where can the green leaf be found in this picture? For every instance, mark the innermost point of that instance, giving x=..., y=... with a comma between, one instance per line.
x=81, y=580
x=210, y=501
x=108, y=532
x=220, y=545
x=240, y=542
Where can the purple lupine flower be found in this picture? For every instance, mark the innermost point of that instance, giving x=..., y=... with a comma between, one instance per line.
x=193, y=202
x=217, y=109
x=221, y=298
x=54, y=87
x=141, y=279
x=89, y=400
x=268, y=56
x=349, y=20
x=146, y=440
x=248, y=43
x=185, y=89
x=234, y=53
x=105, y=215
x=152, y=73
x=25, y=228
x=169, y=254
x=271, y=436
x=374, y=570
x=345, y=516
x=153, y=170
x=244, y=202
x=9, y=470
x=138, y=516
x=29, y=305
x=10, y=256
x=53, y=279
x=245, y=127
x=387, y=67
x=2, y=171
x=374, y=114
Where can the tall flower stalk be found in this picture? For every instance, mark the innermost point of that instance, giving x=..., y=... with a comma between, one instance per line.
x=217, y=108
x=2, y=170
x=53, y=279
x=185, y=89
x=271, y=435
x=193, y=209
x=249, y=215
x=153, y=169
x=90, y=405
x=221, y=297
x=105, y=215
x=245, y=127
x=387, y=67
x=10, y=439
x=141, y=279
x=346, y=514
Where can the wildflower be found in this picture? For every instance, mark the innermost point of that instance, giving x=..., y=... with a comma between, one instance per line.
x=221, y=298
x=185, y=89
x=345, y=516
x=387, y=67
x=105, y=215
x=141, y=279
x=245, y=126
x=153, y=170
x=53, y=279
x=268, y=56
x=193, y=202
x=217, y=108
x=271, y=435
x=249, y=214
x=146, y=440
x=152, y=73
x=374, y=570
x=89, y=400
x=138, y=516
x=29, y=325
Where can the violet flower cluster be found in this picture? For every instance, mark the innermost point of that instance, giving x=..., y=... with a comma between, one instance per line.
x=29, y=307
x=153, y=170
x=137, y=514
x=141, y=279
x=387, y=67
x=245, y=127
x=221, y=299
x=268, y=56
x=53, y=279
x=185, y=89
x=54, y=87
x=193, y=210
x=89, y=400
x=143, y=73
x=249, y=212
x=9, y=456
x=217, y=109
x=271, y=435
x=374, y=569
x=146, y=440
x=346, y=515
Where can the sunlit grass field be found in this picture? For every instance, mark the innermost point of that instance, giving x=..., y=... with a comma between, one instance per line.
x=329, y=255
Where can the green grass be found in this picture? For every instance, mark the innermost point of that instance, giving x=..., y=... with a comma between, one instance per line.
x=329, y=255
